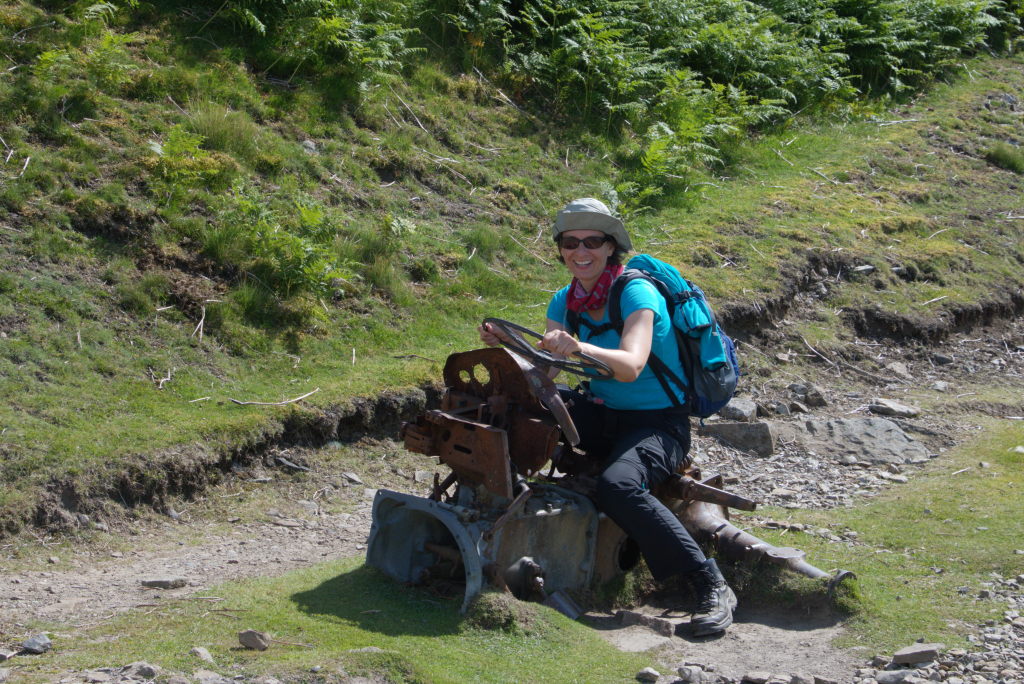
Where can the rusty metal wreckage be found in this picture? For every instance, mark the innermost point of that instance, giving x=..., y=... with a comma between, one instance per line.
x=512, y=526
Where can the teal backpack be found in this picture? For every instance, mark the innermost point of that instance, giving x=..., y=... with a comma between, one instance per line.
x=707, y=354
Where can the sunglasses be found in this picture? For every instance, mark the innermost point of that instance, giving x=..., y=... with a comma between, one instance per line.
x=592, y=242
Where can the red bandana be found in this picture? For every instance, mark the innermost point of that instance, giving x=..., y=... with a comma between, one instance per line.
x=579, y=300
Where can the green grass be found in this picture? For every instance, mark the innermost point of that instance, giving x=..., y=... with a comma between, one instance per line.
x=1006, y=157
x=430, y=200
x=952, y=526
x=331, y=611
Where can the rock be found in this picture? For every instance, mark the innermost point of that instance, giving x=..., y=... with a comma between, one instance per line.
x=164, y=582
x=917, y=653
x=423, y=476
x=648, y=674
x=1017, y=450
x=893, y=676
x=814, y=397
x=797, y=407
x=755, y=678
x=758, y=438
x=941, y=359
x=801, y=679
x=53, y=560
x=178, y=679
x=38, y=644
x=309, y=146
x=940, y=386
x=781, y=408
x=96, y=677
x=141, y=670
x=5, y=673
x=6, y=654
x=202, y=654
x=208, y=677
x=691, y=674
x=250, y=638
x=900, y=370
x=352, y=477
x=742, y=410
x=657, y=624
x=873, y=440
x=824, y=680
x=888, y=407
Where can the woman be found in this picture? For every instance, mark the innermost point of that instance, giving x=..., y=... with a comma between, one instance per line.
x=628, y=421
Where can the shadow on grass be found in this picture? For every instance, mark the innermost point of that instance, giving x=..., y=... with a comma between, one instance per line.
x=372, y=601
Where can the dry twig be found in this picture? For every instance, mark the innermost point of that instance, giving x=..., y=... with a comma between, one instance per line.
x=850, y=366
x=414, y=356
x=160, y=381
x=409, y=109
x=276, y=403
x=830, y=180
x=541, y=260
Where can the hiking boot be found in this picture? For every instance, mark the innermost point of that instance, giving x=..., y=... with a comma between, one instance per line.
x=715, y=600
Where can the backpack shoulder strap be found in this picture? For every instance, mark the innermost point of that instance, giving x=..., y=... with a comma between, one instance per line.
x=574, y=320
x=615, y=320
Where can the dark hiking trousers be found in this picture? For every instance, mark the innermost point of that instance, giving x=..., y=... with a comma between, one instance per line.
x=641, y=449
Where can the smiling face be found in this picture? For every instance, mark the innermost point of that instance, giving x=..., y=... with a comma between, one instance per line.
x=584, y=263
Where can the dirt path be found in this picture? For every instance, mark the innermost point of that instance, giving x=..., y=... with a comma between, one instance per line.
x=84, y=586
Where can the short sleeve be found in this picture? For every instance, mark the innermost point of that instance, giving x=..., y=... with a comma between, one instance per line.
x=641, y=294
x=557, y=307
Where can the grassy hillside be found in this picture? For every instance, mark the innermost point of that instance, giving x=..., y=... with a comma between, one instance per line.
x=187, y=220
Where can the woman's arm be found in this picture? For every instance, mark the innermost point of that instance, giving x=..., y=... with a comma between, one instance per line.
x=626, y=362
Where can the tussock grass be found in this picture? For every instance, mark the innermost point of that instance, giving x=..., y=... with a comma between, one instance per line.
x=1006, y=157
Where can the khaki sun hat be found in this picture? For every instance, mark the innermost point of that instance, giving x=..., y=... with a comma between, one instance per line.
x=588, y=213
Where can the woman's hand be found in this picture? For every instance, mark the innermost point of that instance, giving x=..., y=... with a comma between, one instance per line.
x=490, y=335
x=560, y=342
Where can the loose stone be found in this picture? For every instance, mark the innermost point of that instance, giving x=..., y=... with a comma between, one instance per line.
x=38, y=644
x=648, y=674
x=164, y=582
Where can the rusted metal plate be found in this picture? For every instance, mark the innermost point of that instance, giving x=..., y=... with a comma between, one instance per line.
x=531, y=441
x=484, y=373
x=476, y=451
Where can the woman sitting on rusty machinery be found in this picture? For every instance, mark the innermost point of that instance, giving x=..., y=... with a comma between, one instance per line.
x=628, y=421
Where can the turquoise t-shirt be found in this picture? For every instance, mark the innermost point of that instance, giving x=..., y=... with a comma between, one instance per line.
x=645, y=392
